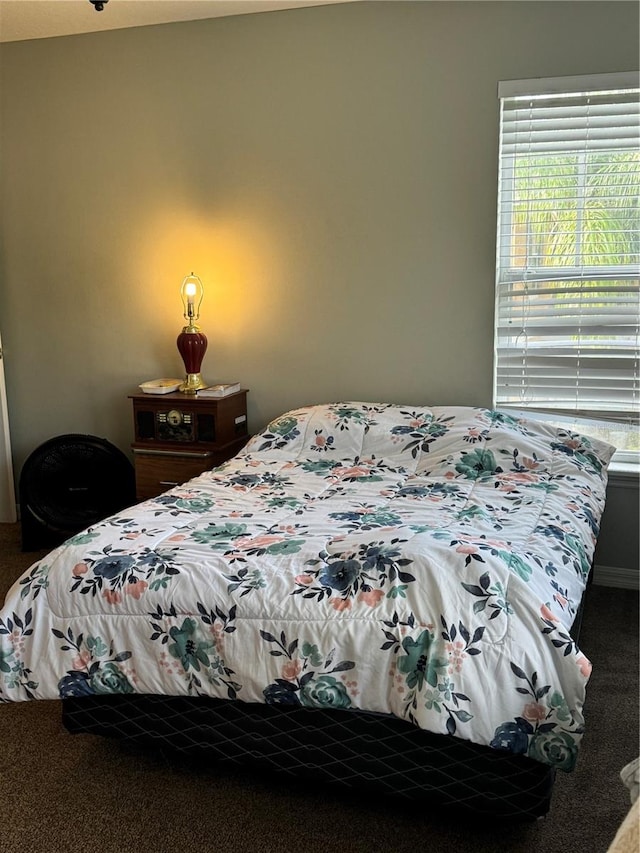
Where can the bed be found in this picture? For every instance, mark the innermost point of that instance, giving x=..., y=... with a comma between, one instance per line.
x=376, y=594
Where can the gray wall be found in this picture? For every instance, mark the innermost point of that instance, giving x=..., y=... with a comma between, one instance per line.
x=330, y=173
x=618, y=544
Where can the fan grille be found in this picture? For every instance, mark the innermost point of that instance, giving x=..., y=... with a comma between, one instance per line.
x=73, y=481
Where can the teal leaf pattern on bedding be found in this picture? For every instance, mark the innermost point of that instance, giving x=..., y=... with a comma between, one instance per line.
x=95, y=668
x=301, y=682
x=546, y=730
x=424, y=562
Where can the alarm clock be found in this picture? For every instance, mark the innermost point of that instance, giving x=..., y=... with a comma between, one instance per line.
x=175, y=425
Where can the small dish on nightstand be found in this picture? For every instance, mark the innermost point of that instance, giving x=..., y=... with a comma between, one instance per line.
x=160, y=386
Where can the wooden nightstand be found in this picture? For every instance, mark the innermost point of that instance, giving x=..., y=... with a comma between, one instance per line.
x=178, y=436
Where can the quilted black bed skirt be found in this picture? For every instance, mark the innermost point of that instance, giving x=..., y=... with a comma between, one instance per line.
x=365, y=752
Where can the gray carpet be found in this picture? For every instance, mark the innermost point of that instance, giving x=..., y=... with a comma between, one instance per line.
x=80, y=794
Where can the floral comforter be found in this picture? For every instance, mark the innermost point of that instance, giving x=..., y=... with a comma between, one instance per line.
x=421, y=562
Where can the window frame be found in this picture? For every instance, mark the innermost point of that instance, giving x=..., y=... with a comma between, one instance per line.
x=550, y=86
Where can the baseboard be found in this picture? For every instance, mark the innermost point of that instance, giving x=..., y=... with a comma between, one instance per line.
x=616, y=576
x=8, y=519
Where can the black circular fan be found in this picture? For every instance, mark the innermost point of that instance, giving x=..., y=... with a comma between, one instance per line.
x=68, y=483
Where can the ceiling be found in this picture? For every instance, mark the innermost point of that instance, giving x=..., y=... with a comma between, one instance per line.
x=37, y=19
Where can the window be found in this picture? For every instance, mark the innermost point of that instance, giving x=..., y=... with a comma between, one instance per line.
x=567, y=329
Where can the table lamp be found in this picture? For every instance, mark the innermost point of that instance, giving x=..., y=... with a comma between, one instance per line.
x=192, y=343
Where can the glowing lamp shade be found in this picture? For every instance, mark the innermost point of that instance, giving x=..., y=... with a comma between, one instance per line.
x=192, y=343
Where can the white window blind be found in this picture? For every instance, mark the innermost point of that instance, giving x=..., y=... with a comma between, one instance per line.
x=568, y=250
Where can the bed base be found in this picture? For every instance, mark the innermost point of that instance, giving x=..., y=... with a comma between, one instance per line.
x=364, y=752
x=361, y=751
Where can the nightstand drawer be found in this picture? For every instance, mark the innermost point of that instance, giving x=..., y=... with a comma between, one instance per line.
x=155, y=473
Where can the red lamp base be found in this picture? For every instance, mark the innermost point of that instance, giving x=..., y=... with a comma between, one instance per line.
x=192, y=346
